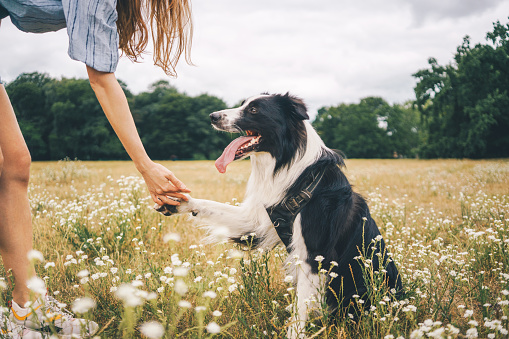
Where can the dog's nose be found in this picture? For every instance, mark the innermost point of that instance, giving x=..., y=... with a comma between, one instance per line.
x=215, y=117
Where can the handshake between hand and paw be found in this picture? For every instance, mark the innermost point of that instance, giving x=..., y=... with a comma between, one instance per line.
x=168, y=210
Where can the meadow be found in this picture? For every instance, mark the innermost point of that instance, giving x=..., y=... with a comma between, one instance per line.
x=113, y=259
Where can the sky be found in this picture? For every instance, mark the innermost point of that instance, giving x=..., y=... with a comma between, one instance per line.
x=325, y=51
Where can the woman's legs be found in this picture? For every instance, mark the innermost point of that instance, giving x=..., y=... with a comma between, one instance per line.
x=15, y=215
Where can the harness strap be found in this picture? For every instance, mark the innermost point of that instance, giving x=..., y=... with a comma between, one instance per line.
x=283, y=215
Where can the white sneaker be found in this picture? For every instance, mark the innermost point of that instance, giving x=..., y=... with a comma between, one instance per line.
x=11, y=330
x=47, y=315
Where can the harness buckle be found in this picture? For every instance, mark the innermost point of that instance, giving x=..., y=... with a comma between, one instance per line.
x=292, y=204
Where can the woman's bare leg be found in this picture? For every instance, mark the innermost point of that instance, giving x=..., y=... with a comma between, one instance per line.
x=15, y=215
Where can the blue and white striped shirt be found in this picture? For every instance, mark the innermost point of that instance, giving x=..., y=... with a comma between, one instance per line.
x=91, y=26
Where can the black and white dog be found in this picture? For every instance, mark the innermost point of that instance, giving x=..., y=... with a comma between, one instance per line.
x=297, y=195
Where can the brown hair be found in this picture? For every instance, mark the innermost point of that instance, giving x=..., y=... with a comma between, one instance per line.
x=170, y=27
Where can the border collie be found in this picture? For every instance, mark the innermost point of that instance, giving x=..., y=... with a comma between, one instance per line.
x=296, y=195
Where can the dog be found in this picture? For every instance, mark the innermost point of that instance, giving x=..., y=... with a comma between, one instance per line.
x=296, y=195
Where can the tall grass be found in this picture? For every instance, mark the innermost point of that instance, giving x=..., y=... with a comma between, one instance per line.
x=445, y=224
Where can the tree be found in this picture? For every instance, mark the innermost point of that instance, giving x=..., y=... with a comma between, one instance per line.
x=174, y=125
x=370, y=129
x=80, y=128
x=464, y=105
x=29, y=101
x=404, y=130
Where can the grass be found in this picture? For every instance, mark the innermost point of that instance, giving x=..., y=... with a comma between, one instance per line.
x=445, y=223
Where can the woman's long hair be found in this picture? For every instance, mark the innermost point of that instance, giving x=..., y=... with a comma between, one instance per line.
x=170, y=27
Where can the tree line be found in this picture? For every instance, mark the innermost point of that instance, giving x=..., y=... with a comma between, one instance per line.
x=461, y=110
x=464, y=106
x=62, y=118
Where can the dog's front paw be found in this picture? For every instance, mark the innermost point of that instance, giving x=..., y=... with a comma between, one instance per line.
x=184, y=207
x=166, y=210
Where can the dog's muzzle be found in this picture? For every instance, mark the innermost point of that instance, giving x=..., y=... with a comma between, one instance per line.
x=215, y=117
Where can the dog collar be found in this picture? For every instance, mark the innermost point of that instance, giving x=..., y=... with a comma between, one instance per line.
x=283, y=215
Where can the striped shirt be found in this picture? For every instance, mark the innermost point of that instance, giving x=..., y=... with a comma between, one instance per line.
x=91, y=26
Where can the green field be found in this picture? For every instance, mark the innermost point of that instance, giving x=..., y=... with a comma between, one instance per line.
x=445, y=223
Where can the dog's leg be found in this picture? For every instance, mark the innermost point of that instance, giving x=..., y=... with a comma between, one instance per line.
x=307, y=283
x=308, y=297
x=226, y=221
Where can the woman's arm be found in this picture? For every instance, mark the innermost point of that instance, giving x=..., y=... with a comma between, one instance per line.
x=160, y=181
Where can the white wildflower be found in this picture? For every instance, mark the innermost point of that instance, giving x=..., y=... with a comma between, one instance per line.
x=468, y=313
x=137, y=283
x=180, y=271
x=200, y=308
x=35, y=255
x=235, y=254
x=171, y=237
x=152, y=330
x=181, y=287
x=37, y=285
x=416, y=334
x=436, y=333
x=232, y=288
x=210, y=294
x=213, y=328
x=83, y=305
x=127, y=293
x=471, y=333
x=184, y=304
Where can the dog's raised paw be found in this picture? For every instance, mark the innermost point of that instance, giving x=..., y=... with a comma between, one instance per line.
x=166, y=210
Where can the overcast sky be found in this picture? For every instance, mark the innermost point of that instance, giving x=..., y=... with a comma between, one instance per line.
x=325, y=51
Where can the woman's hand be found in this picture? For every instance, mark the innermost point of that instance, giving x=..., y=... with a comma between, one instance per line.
x=162, y=184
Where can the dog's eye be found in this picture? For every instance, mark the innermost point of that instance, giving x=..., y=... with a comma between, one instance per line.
x=253, y=110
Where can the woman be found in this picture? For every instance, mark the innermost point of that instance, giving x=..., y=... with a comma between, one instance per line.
x=96, y=29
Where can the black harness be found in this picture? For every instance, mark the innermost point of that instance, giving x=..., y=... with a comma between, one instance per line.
x=283, y=215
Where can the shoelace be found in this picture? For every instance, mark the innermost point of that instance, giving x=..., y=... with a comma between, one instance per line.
x=54, y=306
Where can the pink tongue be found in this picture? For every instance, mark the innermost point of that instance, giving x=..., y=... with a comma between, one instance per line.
x=229, y=152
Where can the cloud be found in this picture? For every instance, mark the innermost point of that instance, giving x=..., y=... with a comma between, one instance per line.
x=440, y=9
x=326, y=52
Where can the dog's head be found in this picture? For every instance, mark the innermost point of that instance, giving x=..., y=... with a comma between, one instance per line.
x=271, y=123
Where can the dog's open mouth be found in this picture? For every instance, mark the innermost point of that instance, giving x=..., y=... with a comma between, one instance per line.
x=238, y=149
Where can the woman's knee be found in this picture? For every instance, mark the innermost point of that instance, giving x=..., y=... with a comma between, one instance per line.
x=16, y=166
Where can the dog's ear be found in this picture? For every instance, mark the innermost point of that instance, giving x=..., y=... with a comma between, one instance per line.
x=297, y=107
